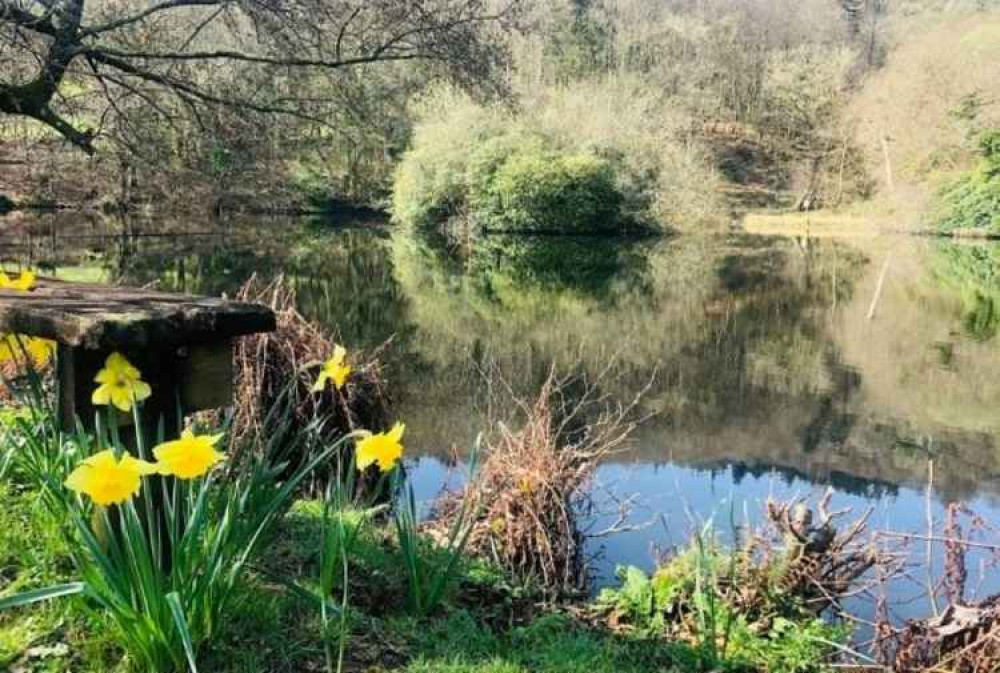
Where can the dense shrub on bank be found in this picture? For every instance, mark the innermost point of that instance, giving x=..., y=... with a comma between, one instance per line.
x=542, y=192
x=431, y=181
x=973, y=202
x=606, y=155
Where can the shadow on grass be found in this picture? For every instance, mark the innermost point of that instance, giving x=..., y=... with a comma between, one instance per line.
x=484, y=626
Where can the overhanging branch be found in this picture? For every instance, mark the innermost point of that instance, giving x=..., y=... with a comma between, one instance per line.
x=139, y=51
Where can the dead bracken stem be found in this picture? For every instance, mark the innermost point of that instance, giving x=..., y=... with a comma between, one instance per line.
x=962, y=636
x=929, y=548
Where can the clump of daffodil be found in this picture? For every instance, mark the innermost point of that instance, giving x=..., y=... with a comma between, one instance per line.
x=384, y=449
x=335, y=369
x=108, y=480
x=189, y=457
x=121, y=384
x=15, y=346
x=24, y=282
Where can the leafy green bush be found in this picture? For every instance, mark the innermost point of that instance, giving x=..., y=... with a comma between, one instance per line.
x=989, y=145
x=512, y=182
x=536, y=191
x=427, y=191
x=627, y=159
x=685, y=600
x=431, y=182
x=487, y=160
x=973, y=202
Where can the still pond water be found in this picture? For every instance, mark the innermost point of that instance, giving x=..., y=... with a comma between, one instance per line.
x=776, y=367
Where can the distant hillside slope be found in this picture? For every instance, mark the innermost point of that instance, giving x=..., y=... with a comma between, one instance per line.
x=921, y=116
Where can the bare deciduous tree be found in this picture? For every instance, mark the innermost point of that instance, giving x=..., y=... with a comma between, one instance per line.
x=70, y=63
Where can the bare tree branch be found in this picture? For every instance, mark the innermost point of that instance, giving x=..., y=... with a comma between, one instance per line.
x=179, y=48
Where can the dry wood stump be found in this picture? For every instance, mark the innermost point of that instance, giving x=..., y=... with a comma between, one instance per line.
x=182, y=344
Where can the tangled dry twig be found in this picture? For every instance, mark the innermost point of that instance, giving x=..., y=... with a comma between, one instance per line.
x=822, y=564
x=266, y=364
x=533, y=484
x=964, y=637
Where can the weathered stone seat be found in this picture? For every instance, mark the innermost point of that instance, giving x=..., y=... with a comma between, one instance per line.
x=181, y=343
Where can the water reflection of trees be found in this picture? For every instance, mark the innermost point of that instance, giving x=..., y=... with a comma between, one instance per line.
x=593, y=266
x=972, y=271
x=344, y=282
x=730, y=326
x=747, y=337
x=763, y=352
x=842, y=481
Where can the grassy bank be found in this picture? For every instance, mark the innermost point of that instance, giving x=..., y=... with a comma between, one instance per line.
x=483, y=629
x=486, y=625
x=819, y=224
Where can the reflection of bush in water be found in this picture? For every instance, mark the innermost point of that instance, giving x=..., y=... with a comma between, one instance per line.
x=589, y=265
x=344, y=281
x=974, y=272
x=746, y=273
x=667, y=305
x=839, y=480
x=205, y=271
x=529, y=302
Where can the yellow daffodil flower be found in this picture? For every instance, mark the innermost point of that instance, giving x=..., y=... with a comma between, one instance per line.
x=189, y=457
x=335, y=369
x=384, y=448
x=13, y=347
x=108, y=480
x=121, y=384
x=24, y=283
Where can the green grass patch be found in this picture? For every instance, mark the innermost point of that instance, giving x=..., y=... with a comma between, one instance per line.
x=483, y=626
x=460, y=643
x=54, y=636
